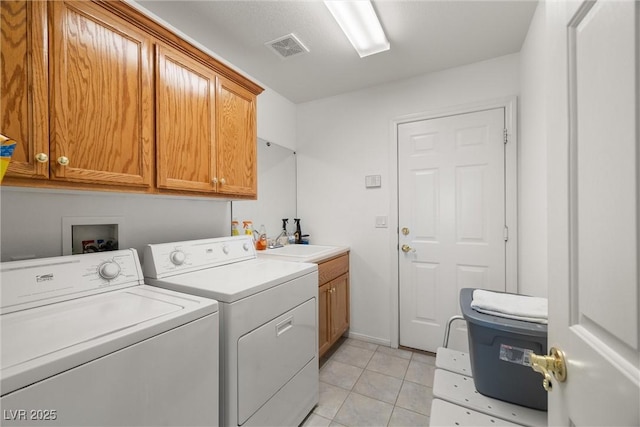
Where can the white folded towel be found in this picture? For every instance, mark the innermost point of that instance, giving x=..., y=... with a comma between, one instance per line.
x=519, y=307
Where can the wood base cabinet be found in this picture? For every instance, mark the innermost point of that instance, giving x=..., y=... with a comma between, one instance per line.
x=333, y=301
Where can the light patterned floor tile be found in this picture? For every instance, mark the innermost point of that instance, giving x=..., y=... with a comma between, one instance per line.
x=331, y=399
x=351, y=355
x=404, y=418
x=420, y=373
x=360, y=410
x=378, y=386
x=424, y=358
x=340, y=374
x=315, y=420
x=415, y=397
x=362, y=344
x=397, y=352
x=388, y=365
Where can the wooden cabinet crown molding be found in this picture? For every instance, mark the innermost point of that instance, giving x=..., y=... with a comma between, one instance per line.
x=139, y=19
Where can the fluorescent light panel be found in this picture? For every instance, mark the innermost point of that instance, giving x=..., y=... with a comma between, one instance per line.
x=360, y=24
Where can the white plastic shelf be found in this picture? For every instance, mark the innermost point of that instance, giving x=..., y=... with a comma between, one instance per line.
x=460, y=390
x=453, y=361
x=447, y=414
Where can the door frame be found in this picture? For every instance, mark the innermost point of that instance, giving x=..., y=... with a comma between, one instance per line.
x=509, y=104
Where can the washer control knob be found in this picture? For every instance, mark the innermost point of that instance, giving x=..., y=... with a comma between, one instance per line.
x=245, y=246
x=225, y=249
x=177, y=257
x=109, y=270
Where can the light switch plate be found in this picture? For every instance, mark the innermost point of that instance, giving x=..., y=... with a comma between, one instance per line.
x=381, y=221
x=373, y=181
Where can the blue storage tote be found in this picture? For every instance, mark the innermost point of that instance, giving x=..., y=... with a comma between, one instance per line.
x=499, y=350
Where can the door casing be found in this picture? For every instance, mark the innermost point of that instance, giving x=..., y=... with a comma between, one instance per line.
x=511, y=194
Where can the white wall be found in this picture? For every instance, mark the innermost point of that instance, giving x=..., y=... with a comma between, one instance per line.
x=32, y=218
x=342, y=139
x=532, y=162
x=277, y=119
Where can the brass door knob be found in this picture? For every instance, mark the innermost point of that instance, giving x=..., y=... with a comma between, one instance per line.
x=407, y=248
x=214, y=180
x=554, y=364
x=63, y=161
x=405, y=231
x=223, y=181
x=42, y=158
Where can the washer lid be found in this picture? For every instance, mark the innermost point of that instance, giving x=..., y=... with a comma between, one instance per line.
x=232, y=282
x=43, y=341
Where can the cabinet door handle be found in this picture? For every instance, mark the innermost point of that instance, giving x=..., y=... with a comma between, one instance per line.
x=223, y=181
x=214, y=180
x=63, y=161
x=42, y=158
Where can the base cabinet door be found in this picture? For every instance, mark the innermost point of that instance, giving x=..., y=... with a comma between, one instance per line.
x=324, y=341
x=101, y=97
x=339, y=306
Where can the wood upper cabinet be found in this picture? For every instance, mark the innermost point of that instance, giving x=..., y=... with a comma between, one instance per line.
x=90, y=109
x=185, y=122
x=236, y=139
x=24, y=100
x=205, y=128
x=101, y=97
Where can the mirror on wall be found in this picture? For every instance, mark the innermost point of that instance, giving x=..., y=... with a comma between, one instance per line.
x=276, y=190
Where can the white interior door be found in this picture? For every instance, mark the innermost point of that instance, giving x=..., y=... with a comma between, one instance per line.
x=451, y=203
x=593, y=120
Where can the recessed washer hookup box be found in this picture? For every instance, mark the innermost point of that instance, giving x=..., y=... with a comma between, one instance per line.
x=500, y=349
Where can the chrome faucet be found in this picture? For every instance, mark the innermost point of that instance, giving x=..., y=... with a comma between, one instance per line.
x=283, y=233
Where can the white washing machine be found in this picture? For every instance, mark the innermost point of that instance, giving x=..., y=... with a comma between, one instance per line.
x=85, y=342
x=268, y=324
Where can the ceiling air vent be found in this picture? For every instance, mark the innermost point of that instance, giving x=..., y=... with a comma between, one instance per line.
x=287, y=46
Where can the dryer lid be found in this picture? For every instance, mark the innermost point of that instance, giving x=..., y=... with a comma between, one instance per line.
x=232, y=282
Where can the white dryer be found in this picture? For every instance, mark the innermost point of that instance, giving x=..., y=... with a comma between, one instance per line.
x=84, y=343
x=268, y=324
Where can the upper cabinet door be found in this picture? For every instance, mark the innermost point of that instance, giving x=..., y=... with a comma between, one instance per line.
x=101, y=97
x=23, y=87
x=237, y=144
x=185, y=122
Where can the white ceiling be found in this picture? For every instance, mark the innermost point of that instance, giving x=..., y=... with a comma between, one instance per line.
x=425, y=36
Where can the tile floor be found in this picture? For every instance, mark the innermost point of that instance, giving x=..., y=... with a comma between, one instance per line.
x=364, y=384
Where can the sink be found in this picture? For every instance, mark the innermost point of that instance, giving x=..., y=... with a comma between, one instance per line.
x=303, y=253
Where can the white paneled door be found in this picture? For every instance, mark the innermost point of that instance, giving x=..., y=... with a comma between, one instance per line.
x=451, y=215
x=593, y=148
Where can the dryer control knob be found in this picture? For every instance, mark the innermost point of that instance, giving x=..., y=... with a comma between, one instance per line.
x=177, y=257
x=245, y=246
x=109, y=270
x=225, y=249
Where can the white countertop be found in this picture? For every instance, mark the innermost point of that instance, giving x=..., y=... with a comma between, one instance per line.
x=303, y=253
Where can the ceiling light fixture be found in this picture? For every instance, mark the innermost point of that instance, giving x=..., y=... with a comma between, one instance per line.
x=360, y=24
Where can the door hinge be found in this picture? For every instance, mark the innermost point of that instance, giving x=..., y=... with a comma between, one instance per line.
x=505, y=233
x=505, y=135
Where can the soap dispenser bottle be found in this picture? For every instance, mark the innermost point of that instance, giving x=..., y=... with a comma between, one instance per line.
x=283, y=238
x=298, y=233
